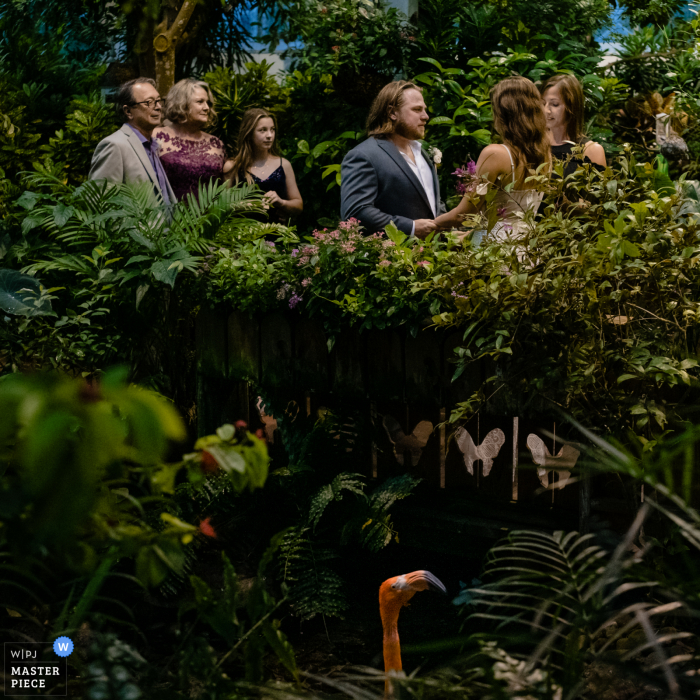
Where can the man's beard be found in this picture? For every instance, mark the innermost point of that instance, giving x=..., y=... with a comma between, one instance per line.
x=403, y=129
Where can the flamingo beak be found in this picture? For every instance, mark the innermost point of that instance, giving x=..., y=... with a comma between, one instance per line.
x=424, y=580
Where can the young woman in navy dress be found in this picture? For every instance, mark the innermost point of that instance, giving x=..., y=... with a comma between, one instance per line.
x=258, y=161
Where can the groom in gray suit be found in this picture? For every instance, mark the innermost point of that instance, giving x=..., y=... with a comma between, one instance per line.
x=389, y=177
x=129, y=155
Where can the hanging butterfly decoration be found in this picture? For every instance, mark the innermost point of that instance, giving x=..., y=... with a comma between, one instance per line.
x=269, y=422
x=413, y=443
x=487, y=451
x=562, y=462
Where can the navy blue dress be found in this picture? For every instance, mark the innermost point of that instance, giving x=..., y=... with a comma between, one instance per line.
x=276, y=181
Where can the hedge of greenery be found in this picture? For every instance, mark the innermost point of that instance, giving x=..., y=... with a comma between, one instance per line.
x=595, y=312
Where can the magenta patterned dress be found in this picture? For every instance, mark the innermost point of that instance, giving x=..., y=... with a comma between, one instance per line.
x=188, y=162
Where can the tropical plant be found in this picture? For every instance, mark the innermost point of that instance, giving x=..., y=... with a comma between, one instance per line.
x=344, y=37
x=104, y=248
x=236, y=92
x=619, y=371
x=87, y=511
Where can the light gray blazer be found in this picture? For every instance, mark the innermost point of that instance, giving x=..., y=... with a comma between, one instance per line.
x=121, y=157
x=378, y=186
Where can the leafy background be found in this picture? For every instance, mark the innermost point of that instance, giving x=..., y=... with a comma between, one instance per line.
x=184, y=567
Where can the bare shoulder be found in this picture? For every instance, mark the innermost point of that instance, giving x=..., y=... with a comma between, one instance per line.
x=494, y=153
x=595, y=152
x=288, y=170
x=494, y=160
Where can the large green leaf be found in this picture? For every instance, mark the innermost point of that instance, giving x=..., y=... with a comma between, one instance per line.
x=20, y=295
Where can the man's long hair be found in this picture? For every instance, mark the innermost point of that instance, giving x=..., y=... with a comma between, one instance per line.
x=245, y=152
x=519, y=118
x=390, y=99
x=572, y=96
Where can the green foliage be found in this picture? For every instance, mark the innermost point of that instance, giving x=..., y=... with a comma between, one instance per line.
x=237, y=92
x=373, y=281
x=580, y=280
x=244, y=463
x=85, y=498
x=377, y=531
x=315, y=588
x=107, y=254
x=352, y=37
x=335, y=510
x=223, y=612
x=333, y=492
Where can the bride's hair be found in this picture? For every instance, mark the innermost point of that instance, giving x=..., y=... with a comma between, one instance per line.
x=245, y=152
x=519, y=118
x=571, y=94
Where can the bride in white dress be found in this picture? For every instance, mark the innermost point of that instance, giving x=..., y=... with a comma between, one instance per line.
x=519, y=119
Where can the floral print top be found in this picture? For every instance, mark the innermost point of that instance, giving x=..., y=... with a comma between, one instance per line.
x=187, y=162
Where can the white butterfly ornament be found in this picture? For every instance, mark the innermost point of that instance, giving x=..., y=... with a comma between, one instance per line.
x=487, y=451
x=562, y=462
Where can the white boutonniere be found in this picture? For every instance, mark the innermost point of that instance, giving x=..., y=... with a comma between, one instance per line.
x=157, y=146
x=435, y=154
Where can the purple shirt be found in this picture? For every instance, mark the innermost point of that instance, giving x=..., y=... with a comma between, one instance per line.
x=155, y=162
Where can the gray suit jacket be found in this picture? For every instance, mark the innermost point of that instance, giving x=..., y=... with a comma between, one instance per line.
x=378, y=186
x=121, y=157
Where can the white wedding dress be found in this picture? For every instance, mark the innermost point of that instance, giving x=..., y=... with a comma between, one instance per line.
x=515, y=204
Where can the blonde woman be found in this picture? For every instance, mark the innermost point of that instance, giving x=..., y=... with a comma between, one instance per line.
x=189, y=154
x=519, y=119
x=258, y=161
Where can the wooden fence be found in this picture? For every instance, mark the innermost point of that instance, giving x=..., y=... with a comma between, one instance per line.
x=513, y=467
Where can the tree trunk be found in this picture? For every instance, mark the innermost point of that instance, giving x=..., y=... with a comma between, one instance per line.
x=169, y=34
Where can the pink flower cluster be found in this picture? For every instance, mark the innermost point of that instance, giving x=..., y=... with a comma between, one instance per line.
x=468, y=175
x=346, y=236
x=307, y=252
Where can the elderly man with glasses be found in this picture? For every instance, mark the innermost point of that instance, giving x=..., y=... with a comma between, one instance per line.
x=129, y=155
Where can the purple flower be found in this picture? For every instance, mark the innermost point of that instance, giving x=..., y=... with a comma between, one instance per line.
x=295, y=252
x=461, y=188
x=294, y=300
x=270, y=243
x=501, y=211
x=471, y=168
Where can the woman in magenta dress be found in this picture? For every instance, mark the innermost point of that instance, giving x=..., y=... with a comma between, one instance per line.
x=258, y=161
x=190, y=155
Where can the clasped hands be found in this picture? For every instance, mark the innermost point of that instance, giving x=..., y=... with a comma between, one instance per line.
x=272, y=200
x=423, y=227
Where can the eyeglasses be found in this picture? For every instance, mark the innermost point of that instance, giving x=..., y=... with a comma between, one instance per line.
x=149, y=103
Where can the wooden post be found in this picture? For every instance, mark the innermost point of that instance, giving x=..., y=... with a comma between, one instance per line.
x=515, y=458
x=443, y=442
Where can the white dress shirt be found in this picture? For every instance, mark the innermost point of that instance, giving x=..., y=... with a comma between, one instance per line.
x=422, y=170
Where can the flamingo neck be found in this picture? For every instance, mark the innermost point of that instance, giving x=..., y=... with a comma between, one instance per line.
x=392, y=646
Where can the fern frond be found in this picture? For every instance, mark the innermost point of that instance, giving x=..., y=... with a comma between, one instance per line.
x=314, y=588
x=334, y=492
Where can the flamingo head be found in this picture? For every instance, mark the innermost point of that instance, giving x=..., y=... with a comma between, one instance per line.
x=397, y=591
